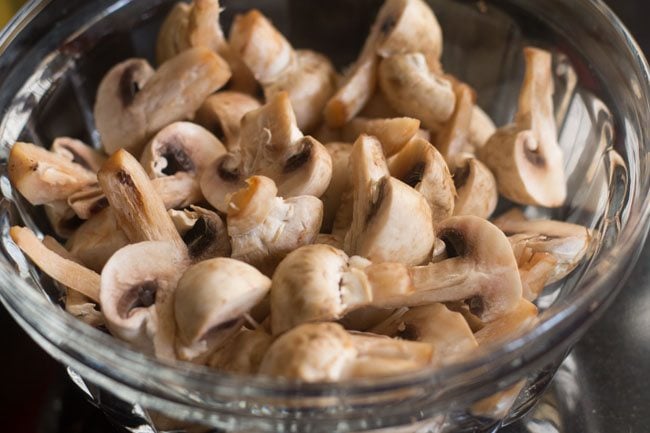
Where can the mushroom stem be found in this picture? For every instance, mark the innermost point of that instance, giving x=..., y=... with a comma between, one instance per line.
x=65, y=271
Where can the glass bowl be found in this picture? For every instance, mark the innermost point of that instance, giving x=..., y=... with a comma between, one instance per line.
x=53, y=55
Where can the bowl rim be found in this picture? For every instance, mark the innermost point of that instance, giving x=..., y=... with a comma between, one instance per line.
x=127, y=365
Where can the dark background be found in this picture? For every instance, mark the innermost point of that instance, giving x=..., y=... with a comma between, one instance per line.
x=605, y=386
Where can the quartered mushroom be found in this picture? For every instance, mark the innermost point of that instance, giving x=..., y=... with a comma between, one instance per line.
x=137, y=295
x=340, y=183
x=271, y=145
x=222, y=113
x=414, y=91
x=264, y=228
x=210, y=302
x=401, y=26
x=308, y=77
x=393, y=134
x=134, y=102
x=476, y=188
x=79, y=152
x=423, y=168
x=325, y=352
x=391, y=221
x=243, y=352
x=445, y=330
x=44, y=177
x=203, y=232
x=321, y=283
x=525, y=156
x=453, y=138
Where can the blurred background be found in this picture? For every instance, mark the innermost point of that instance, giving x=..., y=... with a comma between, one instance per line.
x=603, y=387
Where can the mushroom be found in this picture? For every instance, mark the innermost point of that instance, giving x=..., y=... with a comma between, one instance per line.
x=325, y=352
x=197, y=25
x=138, y=209
x=243, y=352
x=445, y=330
x=525, y=156
x=366, y=318
x=203, y=232
x=271, y=145
x=515, y=322
x=308, y=77
x=453, y=138
x=264, y=228
x=378, y=107
x=401, y=26
x=222, y=113
x=422, y=167
x=321, y=283
x=61, y=269
x=340, y=183
x=391, y=221
x=209, y=302
x=535, y=268
x=79, y=152
x=476, y=188
x=133, y=103
x=44, y=177
x=393, y=134
x=414, y=91
x=137, y=295
x=481, y=128
x=62, y=218
x=88, y=202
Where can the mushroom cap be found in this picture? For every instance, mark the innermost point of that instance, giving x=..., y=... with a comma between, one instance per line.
x=340, y=183
x=79, y=152
x=476, y=187
x=393, y=134
x=42, y=176
x=414, y=91
x=137, y=294
x=214, y=292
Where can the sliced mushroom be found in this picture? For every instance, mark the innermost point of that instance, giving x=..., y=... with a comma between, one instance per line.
x=481, y=128
x=264, y=228
x=401, y=26
x=422, y=167
x=203, y=232
x=453, y=138
x=535, y=268
x=173, y=34
x=414, y=91
x=366, y=318
x=42, y=176
x=243, y=353
x=391, y=221
x=525, y=156
x=515, y=322
x=325, y=352
x=79, y=152
x=65, y=271
x=211, y=298
x=222, y=113
x=321, y=283
x=340, y=183
x=445, y=330
x=137, y=295
x=62, y=218
x=271, y=145
x=138, y=209
x=133, y=103
x=378, y=107
x=393, y=134
x=88, y=201
x=476, y=188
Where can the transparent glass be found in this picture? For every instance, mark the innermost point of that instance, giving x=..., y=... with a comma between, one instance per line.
x=52, y=57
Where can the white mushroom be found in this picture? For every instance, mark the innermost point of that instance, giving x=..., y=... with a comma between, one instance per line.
x=133, y=102
x=393, y=134
x=453, y=137
x=321, y=283
x=476, y=188
x=340, y=183
x=243, y=352
x=264, y=228
x=525, y=156
x=211, y=298
x=62, y=218
x=481, y=128
x=79, y=152
x=515, y=322
x=325, y=352
x=391, y=221
x=203, y=232
x=137, y=295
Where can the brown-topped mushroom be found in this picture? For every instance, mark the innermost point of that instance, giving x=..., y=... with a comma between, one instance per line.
x=210, y=301
x=391, y=221
x=79, y=152
x=203, y=232
x=321, y=283
x=393, y=134
x=134, y=102
x=137, y=295
x=525, y=156
x=222, y=113
x=476, y=188
x=325, y=352
x=271, y=145
x=423, y=168
x=264, y=228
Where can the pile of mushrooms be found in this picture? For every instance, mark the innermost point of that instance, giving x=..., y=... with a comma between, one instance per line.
x=211, y=227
